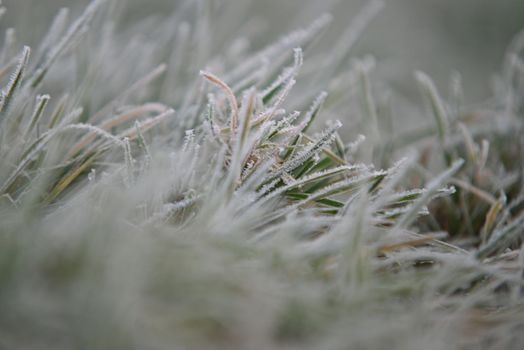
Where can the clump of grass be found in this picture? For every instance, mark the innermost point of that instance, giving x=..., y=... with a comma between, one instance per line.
x=233, y=222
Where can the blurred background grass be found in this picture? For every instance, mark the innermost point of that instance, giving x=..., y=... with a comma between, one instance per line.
x=436, y=36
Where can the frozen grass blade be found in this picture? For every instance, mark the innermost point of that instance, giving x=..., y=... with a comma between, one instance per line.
x=352, y=185
x=76, y=29
x=245, y=115
x=143, y=145
x=45, y=138
x=69, y=178
x=129, y=178
x=432, y=187
x=147, y=124
x=141, y=83
x=315, y=177
x=437, y=106
x=233, y=104
x=109, y=124
x=503, y=238
x=279, y=88
x=308, y=120
x=41, y=104
x=299, y=38
x=309, y=152
x=491, y=216
x=9, y=94
x=364, y=68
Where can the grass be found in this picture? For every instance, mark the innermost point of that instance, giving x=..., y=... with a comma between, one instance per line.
x=145, y=205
